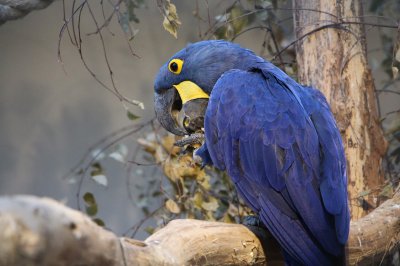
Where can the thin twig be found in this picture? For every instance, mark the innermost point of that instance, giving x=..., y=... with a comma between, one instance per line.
x=335, y=25
x=76, y=40
x=137, y=226
x=101, y=150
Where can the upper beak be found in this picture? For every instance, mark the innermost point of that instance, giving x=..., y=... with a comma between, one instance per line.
x=163, y=105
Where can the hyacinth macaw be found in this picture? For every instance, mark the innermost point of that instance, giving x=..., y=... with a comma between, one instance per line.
x=277, y=140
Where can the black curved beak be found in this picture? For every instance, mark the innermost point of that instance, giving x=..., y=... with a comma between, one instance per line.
x=165, y=104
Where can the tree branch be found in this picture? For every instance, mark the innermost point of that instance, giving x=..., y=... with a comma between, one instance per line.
x=15, y=9
x=41, y=231
x=375, y=236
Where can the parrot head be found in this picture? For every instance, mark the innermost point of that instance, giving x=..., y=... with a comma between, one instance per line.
x=184, y=83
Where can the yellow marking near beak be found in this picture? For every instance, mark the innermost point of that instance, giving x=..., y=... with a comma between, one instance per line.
x=188, y=91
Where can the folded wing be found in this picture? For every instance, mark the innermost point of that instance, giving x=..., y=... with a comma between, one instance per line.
x=285, y=157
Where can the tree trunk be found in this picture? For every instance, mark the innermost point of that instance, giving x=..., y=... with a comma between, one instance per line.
x=39, y=231
x=333, y=59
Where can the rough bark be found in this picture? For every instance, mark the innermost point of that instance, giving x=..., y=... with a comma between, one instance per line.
x=40, y=231
x=15, y=9
x=334, y=60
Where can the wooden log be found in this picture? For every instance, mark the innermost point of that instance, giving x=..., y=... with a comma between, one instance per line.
x=41, y=231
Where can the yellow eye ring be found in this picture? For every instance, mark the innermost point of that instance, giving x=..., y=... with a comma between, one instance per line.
x=175, y=66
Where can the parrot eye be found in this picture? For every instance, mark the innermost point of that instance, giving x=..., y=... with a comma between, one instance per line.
x=175, y=66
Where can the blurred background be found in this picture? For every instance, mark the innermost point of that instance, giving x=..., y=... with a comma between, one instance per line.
x=52, y=112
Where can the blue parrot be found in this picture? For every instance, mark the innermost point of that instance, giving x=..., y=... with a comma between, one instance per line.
x=277, y=140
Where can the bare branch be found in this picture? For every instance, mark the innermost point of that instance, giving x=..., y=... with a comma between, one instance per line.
x=76, y=40
x=16, y=9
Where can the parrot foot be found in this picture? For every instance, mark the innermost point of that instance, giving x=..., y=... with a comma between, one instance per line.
x=197, y=138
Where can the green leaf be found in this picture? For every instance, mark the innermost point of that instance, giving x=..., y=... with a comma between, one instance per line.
x=89, y=199
x=131, y=116
x=220, y=33
x=149, y=229
x=239, y=18
x=90, y=202
x=156, y=194
x=131, y=6
x=91, y=210
x=235, y=20
x=97, y=169
x=99, y=222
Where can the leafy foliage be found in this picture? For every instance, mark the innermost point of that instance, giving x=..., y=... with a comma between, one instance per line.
x=262, y=16
x=131, y=7
x=128, y=16
x=234, y=21
x=188, y=191
x=92, y=208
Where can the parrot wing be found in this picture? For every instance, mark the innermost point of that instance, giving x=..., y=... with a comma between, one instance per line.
x=283, y=163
